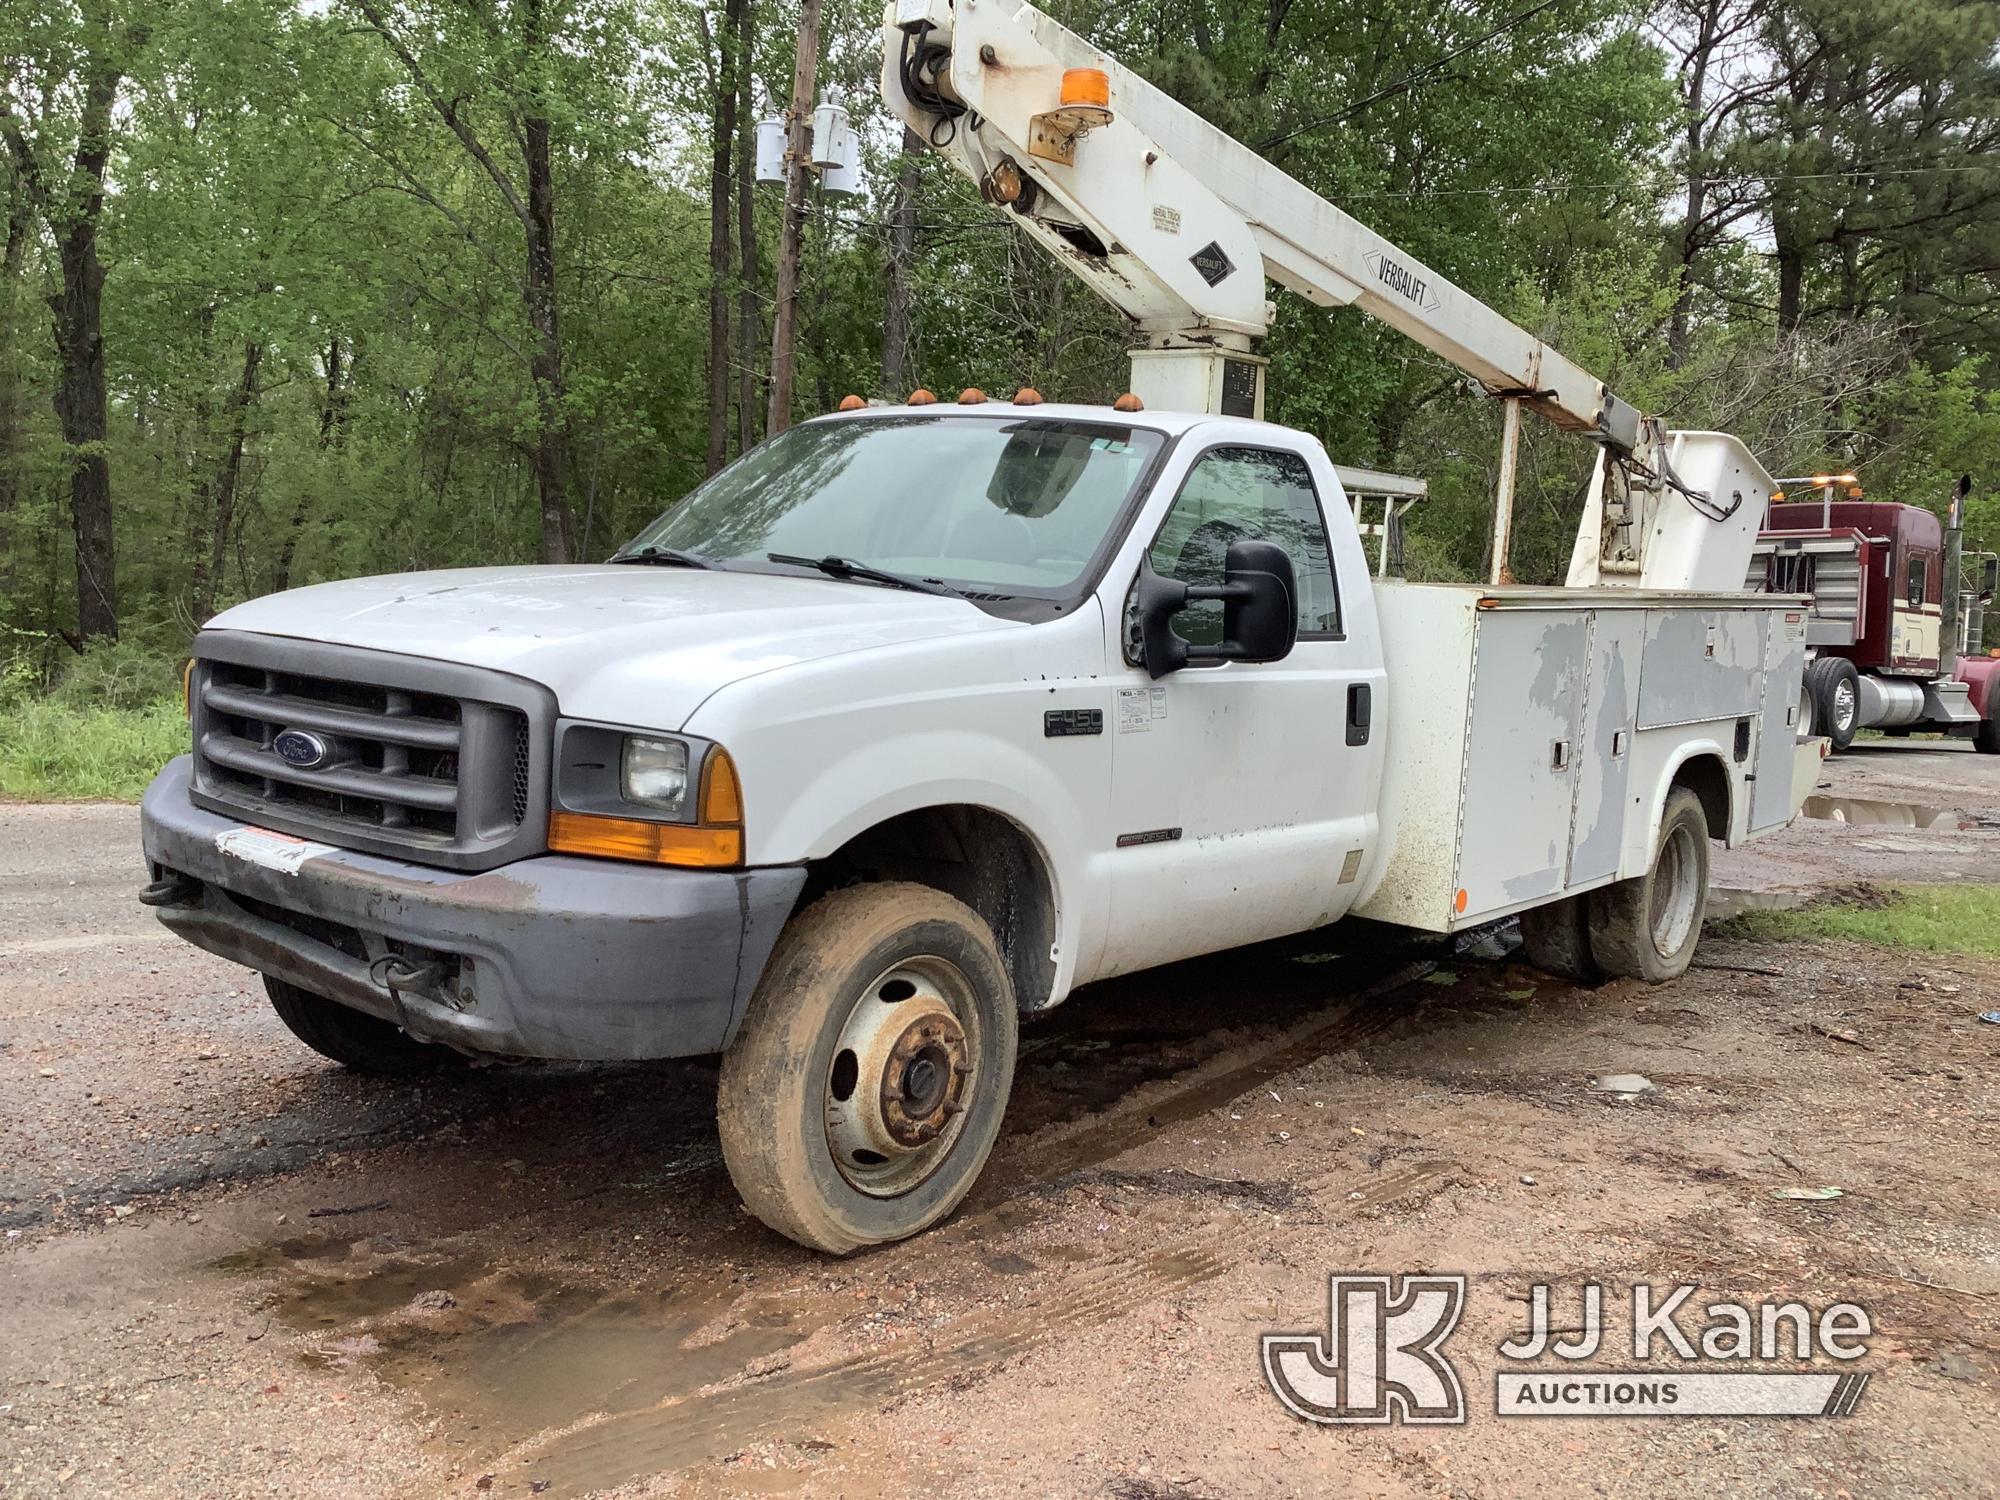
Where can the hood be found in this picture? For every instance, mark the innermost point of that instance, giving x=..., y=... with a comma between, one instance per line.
x=629, y=644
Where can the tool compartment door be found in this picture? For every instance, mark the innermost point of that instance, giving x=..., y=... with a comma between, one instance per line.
x=1771, y=801
x=1604, y=753
x=1528, y=684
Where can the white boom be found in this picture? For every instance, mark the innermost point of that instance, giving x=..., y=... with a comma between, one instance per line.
x=1177, y=226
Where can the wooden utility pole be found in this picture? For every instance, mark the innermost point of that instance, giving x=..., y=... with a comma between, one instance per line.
x=798, y=170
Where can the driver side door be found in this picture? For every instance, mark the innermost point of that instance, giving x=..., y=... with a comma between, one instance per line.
x=1243, y=793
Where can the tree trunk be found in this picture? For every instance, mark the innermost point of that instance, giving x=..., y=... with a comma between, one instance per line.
x=798, y=169
x=723, y=139
x=227, y=478
x=896, y=323
x=80, y=399
x=20, y=221
x=332, y=416
x=546, y=364
x=1697, y=184
x=747, y=318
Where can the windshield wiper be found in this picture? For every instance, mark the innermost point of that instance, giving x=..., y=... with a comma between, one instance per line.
x=847, y=568
x=663, y=557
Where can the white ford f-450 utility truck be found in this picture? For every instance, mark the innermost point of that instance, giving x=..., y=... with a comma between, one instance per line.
x=915, y=718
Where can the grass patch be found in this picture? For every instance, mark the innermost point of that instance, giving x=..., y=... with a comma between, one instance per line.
x=56, y=750
x=1932, y=918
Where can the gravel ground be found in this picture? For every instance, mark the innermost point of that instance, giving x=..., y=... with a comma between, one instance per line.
x=232, y=1270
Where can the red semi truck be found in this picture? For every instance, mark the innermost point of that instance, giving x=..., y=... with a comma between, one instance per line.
x=1896, y=629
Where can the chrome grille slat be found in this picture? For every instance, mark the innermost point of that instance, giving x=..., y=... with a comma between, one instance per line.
x=253, y=760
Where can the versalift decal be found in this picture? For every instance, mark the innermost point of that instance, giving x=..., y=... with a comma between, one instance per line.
x=1401, y=280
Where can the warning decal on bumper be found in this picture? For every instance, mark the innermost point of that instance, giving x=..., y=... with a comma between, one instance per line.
x=274, y=851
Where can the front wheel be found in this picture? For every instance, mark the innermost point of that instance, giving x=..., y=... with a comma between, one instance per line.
x=865, y=1088
x=1648, y=928
x=1836, y=689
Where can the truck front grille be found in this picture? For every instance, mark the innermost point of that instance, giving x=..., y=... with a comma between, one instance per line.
x=368, y=750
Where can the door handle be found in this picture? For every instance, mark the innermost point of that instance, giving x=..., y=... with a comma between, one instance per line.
x=1360, y=709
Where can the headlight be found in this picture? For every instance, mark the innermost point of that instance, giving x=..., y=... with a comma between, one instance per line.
x=623, y=794
x=654, y=773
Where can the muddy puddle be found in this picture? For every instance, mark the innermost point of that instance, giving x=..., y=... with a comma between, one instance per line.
x=1866, y=812
x=556, y=1386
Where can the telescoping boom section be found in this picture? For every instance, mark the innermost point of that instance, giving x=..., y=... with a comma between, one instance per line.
x=1178, y=226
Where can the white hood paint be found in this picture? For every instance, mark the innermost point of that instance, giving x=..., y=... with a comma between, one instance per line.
x=627, y=644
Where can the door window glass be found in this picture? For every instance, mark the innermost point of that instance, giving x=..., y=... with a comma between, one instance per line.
x=1919, y=571
x=1255, y=494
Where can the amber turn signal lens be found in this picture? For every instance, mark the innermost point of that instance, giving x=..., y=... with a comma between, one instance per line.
x=721, y=792
x=653, y=843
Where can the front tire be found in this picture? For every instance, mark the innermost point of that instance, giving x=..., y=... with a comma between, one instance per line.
x=866, y=1085
x=1648, y=928
x=1836, y=690
x=352, y=1038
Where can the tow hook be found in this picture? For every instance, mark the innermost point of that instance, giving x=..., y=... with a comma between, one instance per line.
x=396, y=974
x=171, y=890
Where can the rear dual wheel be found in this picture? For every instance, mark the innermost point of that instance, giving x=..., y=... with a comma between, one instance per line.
x=865, y=1087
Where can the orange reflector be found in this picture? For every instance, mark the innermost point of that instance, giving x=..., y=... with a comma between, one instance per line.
x=187, y=688
x=721, y=792
x=972, y=395
x=921, y=397
x=1086, y=86
x=654, y=843
x=850, y=403
x=1128, y=402
x=1458, y=901
x=1027, y=395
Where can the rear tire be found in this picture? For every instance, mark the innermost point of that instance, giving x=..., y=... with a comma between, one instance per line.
x=1556, y=940
x=866, y=1085
x=352, y=1038
x=1648, y=928
x=1986, y=737
x=1836, y=689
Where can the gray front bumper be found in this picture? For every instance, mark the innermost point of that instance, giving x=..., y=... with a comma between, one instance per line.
x=555, y=957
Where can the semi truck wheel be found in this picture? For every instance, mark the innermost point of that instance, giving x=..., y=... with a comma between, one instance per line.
x=1836, y=689
x=866, y=1085
x=1556, y=939
x=1986, y=737
x=1648, y=928
x=365, y=1043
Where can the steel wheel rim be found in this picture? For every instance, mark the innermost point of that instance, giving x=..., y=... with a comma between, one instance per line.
x=1844, y=704
x=1806, y=724
x=1675, y=899
x=902, y=1076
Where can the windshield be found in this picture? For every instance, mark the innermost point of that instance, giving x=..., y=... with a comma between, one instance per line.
x=1009, y=505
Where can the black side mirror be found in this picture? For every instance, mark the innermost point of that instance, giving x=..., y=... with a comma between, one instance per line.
x=1989, y=580
x=1260, y=611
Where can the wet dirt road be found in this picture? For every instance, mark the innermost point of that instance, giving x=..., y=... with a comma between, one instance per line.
x=232, y=1270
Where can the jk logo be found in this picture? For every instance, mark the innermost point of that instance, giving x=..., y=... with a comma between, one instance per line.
x=1381, y=1363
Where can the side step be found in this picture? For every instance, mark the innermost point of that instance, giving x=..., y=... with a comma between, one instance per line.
x=1947, y=703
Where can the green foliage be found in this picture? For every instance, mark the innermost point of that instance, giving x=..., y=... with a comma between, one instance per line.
x=100, y=735
x=281, y=185
x=1932, y=918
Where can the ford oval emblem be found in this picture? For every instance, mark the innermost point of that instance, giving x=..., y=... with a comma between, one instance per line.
x=302, y=748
